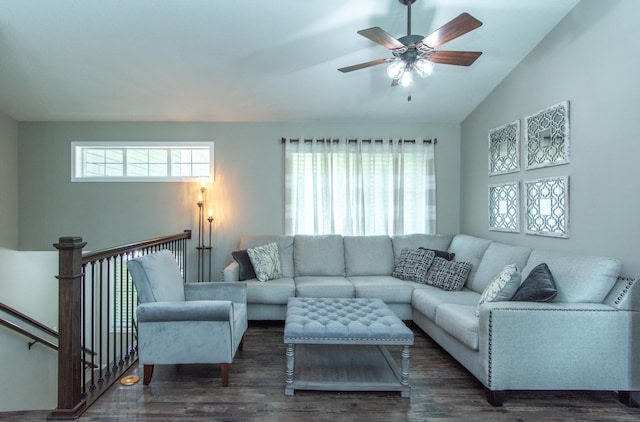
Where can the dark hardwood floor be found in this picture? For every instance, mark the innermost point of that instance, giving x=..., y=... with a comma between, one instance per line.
x=442, y=390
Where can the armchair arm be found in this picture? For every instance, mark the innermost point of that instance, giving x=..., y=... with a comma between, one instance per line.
x=201, y=310
x=235, y=292
x=231, y=272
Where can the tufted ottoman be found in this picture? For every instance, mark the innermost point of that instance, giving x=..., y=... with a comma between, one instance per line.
x=340, y=345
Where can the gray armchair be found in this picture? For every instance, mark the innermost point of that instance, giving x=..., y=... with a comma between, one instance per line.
x=181, y=323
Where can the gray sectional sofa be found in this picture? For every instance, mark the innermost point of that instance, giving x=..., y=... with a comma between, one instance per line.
x=586, y=338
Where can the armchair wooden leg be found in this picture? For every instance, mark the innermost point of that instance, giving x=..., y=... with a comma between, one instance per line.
x=241, y=345
x=148, y=373
x=224, y=369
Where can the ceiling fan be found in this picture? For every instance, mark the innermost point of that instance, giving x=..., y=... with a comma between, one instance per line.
x=417, y=52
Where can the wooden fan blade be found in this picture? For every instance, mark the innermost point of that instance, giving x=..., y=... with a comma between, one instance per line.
x=362, y=65
x=395, y=82
x=378, y=35
x=453, y=29
x=458, y=58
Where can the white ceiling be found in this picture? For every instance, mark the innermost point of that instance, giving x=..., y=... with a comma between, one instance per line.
x=251, y=60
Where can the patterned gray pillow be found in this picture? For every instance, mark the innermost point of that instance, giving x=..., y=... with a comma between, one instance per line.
x=502, y=287
x=266, y=262
x=448, y=275
x=413, y=264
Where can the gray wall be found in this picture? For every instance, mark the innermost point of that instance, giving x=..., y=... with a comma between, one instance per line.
x=248, y=192
x=592, y=59
x=8, y=182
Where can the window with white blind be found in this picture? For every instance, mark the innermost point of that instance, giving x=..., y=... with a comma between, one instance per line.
x=141, y=161
x=359, y=187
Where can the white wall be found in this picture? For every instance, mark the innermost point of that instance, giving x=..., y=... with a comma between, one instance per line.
x=8, y=182
x=30, y=376
x=592, y=59
x=248, y=191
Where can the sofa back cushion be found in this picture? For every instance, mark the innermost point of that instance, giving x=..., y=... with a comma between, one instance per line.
x=157, y=277
x=368, y=255
x=469, y=249
x=285, y=249
x=578, y=278
x=496, y=257
x=439, y=242
x=318, y=255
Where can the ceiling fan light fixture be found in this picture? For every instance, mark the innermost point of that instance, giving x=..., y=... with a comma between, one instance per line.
x=396, y=69
x=423, y=67
x=406, y=79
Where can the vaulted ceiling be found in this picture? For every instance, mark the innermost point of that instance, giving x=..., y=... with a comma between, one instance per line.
x=251, y=60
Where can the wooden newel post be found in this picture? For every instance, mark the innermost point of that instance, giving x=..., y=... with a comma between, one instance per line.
x=70, y=402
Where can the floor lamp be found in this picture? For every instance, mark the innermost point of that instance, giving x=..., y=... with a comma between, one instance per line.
x=203, y=251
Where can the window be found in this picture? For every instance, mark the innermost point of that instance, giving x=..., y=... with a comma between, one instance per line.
x=359, y=187
x=141, y=161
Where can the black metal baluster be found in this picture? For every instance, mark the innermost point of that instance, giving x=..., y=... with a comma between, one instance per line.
x=100, y=328
x=121, y=362
x=107, y=371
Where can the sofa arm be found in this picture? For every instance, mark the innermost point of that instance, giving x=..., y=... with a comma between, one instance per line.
x=204, y=310
x=549, y=346
x=231, y=272
x=235, y=292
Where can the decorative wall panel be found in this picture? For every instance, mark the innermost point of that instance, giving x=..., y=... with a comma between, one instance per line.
x=504, y=149
x=547, y=206
x=547, y=137
x=504, y=207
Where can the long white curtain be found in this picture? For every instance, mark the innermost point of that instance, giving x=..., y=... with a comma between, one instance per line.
x=359, y=187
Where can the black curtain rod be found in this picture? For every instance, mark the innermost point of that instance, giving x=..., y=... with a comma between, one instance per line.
x=410, y=141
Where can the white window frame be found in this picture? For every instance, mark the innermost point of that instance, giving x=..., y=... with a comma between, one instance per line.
x=77, y=161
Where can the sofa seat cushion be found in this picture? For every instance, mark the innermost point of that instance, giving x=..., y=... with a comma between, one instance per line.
x=427, y=299
x=272, y=292
x=459, y=321
x=578, y=278
x=324, y=286
x=388, y=289
x=368, y=255
x=318, y=255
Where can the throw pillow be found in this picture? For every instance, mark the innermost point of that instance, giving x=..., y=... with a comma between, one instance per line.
x=413, y=264
x=502, y=287
x=539, y=286
x=266, y=262
x=448, y=275
x=442, y=254
x=246, y=271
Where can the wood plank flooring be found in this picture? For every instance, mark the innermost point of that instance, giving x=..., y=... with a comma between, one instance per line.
x=442, y=390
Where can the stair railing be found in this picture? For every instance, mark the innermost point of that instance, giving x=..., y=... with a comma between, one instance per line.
x=97, y=304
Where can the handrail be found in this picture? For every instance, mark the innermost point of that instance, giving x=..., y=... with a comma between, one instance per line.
x=37, y=339
x=19, y=329
x=27, y=319
x=118, y=250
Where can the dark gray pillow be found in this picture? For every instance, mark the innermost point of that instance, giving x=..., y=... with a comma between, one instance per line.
x=441, y=254
x=413, y=264
x=539, y=286
x=448, y=275
x=244, y=262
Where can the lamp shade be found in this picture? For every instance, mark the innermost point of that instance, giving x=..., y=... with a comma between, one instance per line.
x=423, y=67
x=396, y=69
